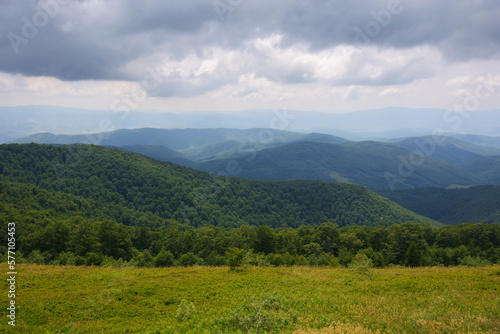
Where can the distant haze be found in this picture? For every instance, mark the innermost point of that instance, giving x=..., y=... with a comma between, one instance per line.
x=18, y=122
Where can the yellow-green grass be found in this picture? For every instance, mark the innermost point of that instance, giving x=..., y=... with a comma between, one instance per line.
x=67, y=299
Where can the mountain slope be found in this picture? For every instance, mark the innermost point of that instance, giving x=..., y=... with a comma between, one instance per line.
x=175, y=139
x=484, y=141
x=362, y=163
x=452, y=206
x=487, y=169
x=18, y=122
x=161, y=153
x=190, y=197
x=195, y=144
x=449, y=149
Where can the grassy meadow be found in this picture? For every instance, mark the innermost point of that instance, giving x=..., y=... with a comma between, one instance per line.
x=69, y=299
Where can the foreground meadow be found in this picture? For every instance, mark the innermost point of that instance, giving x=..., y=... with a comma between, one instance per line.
x=67, y=299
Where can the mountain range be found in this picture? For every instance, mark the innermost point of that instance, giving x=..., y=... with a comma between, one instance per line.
x=392, y=122
x=269, y=154
x=47, y=181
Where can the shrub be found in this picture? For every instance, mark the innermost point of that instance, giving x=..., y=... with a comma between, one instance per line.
x=275, y=259
x=473, y=261
x=93, y=259
x=36, y=257
x=144, y=259
x=164, y=259
x=268, y=313
x=256, y=259
x=66, y=258
x=362, y=264
x=235, y=258
x=188, y=259
x=185, y=311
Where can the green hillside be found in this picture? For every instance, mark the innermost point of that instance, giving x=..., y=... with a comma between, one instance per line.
x=452, y=206
x=190, y=197
x=181, y=139
x=159, y=152
x=452, y=150
x=487, y=169
x=362, y=163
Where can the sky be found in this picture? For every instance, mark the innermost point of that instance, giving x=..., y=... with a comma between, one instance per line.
x=195, y=55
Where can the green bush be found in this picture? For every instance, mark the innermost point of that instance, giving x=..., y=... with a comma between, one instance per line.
x=235, y=258
x=36, y=257
x=93, y=259
x=362, y=264
x=188, y=259
x=473, y=261
x=164, y=259
x=268, y=313
x=66, y=258
x=144, y=259
x=185, y=311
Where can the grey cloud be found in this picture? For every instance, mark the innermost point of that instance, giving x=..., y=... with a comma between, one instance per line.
x=96, y=40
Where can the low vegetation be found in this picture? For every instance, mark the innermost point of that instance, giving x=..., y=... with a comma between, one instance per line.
x=69, y=299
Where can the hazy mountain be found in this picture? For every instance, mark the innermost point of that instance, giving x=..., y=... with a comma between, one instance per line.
x=487, y=169
x=452, y=206
x=196, y=144
x=284, y=155
x=393, y=122
x=161, y=153
x=449, y=149
x=364, y=163
x=485, y=141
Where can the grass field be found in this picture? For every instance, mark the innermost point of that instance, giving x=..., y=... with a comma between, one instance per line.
x=300, y=300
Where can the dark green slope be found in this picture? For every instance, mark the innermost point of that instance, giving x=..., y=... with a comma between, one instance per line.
x=171, y=192
x=363, y=163
x=486, y=169
x=18, y=200
x=159, y=152
x=452, y=206
x=452, y=150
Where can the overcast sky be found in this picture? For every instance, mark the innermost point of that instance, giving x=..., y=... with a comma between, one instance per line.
x=186, y=55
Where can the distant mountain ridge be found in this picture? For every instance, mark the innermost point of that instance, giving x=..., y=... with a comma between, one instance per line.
x=449, y=149
x=391, y=122
x=363, y=163
x=479, y=204
x=269, y=154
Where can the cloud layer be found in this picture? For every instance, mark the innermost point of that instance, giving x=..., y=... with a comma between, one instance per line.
x=198, y=46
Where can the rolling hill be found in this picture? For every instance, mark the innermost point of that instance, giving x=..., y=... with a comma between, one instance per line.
x=452, y=206
x=449, y=149
x=362, y=163
x=186, y=196
x=391, y=122
x=161, y=153
x=487, y=169
x=179, y=139
x=266, y=154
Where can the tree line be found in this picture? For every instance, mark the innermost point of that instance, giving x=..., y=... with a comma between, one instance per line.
x=78, y=241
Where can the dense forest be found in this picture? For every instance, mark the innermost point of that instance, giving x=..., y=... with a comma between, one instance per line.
x=87, y=205
x=171, y=192
x=78, y=241
x=480, y=204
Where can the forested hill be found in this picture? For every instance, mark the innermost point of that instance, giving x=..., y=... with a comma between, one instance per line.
x=143, y=186
x=479, y=204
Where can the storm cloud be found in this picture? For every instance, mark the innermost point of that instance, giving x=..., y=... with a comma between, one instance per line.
x=198, y=46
